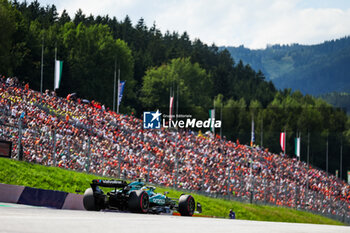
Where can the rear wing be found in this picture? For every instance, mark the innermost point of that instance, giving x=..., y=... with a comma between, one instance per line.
x=109, y=183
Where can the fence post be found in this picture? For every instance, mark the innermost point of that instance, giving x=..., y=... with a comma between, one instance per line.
x=177, y=164
x=68, y=150
x=54, y=148
x=344, y=211
x=241, y=186
x=228, y=181
x=19, y=146
x=276, y=193
x=149, y=164
x=296, y=196
x=265, y=191
x=252, y=191
x=285, y=201
x=176, y=171
x=203, y=174
x=120, y=165
x=88, y=156
x=307, y=193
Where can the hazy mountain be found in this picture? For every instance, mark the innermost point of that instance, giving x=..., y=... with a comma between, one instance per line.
x=312, y=69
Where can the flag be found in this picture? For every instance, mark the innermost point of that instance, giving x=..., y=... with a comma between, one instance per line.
x=283, y=141
x=297, y=147
x=120, y=91
x=212, y=118
x=252, y=138
x=171, y=107
x=58, y=73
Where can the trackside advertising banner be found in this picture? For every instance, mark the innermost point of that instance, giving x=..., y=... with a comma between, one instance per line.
x=283, y=141
x=121, y=91
x=252, y=137
x=297, y=147
x=58, y=73
x=212, y=118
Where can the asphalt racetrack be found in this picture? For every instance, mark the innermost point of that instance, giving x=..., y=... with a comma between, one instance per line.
x=21, y=218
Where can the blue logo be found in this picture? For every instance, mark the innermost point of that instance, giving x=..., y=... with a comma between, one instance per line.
x=151, y=120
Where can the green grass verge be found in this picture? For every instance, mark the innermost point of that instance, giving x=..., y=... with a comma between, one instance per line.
x=37, y=176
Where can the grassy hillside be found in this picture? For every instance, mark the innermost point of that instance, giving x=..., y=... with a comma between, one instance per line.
x=33, y=175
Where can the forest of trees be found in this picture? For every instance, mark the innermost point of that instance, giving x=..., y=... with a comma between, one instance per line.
x=152, y=63
x=312, y=69
x=338, y=99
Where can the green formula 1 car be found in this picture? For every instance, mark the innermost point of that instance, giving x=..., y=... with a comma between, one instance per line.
x=137, y=198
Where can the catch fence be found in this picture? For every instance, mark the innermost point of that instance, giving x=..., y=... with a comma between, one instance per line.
x=86, y=150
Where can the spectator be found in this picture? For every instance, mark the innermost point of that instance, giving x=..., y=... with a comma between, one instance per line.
x=232, y=215
x=87, y=137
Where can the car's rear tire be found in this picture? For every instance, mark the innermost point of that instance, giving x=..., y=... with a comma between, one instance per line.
x=138, y=201
x=89, y=200
x=186, y=205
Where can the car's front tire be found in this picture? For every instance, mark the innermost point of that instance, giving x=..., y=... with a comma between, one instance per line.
x=138, y=201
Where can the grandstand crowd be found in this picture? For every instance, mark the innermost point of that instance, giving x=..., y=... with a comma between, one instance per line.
x=86, y=136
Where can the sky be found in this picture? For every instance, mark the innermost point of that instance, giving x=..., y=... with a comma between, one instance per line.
x=252, y=23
